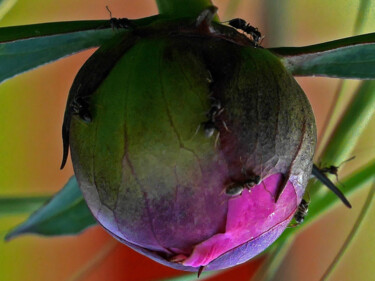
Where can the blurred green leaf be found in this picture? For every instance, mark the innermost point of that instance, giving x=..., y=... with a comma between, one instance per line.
x=5, y=6
x=352, y=235
x=274, y=260
x=352, y=57
x=352, y=124
x=193, y=276
x=66, y=213
x=337, y=107
x=347, y=132
x=20, y=205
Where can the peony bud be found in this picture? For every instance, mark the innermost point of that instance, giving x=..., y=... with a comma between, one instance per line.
x=191, y=145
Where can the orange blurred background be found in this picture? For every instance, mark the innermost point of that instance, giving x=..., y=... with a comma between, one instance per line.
x=31, y=149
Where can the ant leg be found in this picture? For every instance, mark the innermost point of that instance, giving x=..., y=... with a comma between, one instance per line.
x=217, y=139
x=196, y=132
x=225, y=126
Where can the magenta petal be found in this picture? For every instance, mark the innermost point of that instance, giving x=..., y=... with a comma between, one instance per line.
x=250, y=215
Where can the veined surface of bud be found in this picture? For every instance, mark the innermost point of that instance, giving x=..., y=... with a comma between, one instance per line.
x=162, y=120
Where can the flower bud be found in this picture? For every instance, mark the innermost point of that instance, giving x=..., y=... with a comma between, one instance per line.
x=191, y=145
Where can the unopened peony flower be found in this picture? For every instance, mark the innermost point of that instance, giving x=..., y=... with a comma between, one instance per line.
x=190, y=142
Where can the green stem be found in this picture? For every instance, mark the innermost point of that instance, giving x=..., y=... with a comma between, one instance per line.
x=182, y=8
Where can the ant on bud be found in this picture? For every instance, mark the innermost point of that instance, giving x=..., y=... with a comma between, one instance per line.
x=247, y=28
x=237, y=188
x=215, y=110
x=210, y=126
x=119, y=23
x=301, y=213
x=80, y=107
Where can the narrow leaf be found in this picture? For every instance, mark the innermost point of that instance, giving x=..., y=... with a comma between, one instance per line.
x=21, y=32
x=340, y=93
x=66, y=213
x=5, y=6
x=22, y=55
x=21, y=205
x=352, y=57
x=352, y=235
x=348, y=131
x=25, y=47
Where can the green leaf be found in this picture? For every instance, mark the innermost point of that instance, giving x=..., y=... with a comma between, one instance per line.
x=40, y=47
x=347, y=132
x=21, y=205
x=66, y=213
x=352, y=235
x=5, y=6
x=25, y=47
x=352, y=57
x=352, y=124
x=193, y=276
x=21, y=32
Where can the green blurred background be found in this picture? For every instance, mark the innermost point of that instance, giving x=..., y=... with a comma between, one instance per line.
x=31, y=148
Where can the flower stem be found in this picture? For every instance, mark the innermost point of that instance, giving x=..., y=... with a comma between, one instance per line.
x=182, y=8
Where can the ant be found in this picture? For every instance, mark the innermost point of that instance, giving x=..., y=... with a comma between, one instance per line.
x=80, y=107
x=333, y=170
x=209, y=126
x=316, y=172
x=119, y=23
x=215, y=110
x=237, y=188
x=301, y=213
x=247, y=28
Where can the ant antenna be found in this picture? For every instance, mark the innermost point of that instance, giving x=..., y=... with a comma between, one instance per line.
x=347, y=160
x=110, y=13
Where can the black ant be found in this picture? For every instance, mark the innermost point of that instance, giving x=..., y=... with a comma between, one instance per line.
x=119, y=23
x=215, y=110
x=301, y=213
x=237, y=188
x=80, y=107
x=316, y=172
x=247, y=28
x=333, y=170
x=210, y=126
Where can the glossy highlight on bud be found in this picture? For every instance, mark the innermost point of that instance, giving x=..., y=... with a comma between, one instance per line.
x=181, y=112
